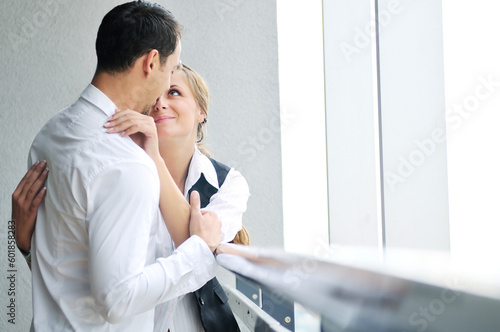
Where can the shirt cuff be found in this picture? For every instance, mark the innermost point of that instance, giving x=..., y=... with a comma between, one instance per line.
x=199, y=253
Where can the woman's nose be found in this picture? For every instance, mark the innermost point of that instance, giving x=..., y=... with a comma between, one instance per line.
x=160, y=104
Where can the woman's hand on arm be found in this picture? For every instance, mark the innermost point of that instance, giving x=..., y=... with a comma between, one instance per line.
x=25, y=201
x=174, y=208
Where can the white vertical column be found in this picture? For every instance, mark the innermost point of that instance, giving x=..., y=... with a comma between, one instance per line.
x=303, y=142
x=413, y=124
x=351, y=124
x=472, y=77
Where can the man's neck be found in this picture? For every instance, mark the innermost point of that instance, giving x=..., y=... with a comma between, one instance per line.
x=119, y=88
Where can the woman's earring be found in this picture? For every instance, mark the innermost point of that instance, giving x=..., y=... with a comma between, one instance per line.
x=204, y=121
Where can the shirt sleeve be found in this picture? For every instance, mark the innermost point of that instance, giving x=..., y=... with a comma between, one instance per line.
x=120, y=221
x=230, y=202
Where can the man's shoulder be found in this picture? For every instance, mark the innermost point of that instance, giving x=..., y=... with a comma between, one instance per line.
x=65, y=118
x=75, y=139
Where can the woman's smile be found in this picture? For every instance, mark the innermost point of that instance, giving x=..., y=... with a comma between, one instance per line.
x=162, y=118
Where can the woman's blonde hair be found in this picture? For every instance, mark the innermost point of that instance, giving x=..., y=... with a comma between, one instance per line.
x=199, y=88
x=242, y=237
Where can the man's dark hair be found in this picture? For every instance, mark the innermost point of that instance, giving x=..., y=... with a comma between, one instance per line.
x=131, y=30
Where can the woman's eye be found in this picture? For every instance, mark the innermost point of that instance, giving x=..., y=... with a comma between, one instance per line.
x=174, y=93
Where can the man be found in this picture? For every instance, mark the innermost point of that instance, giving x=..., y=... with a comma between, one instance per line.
x=93, y=263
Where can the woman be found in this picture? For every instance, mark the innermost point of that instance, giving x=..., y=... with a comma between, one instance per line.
x=171, y=135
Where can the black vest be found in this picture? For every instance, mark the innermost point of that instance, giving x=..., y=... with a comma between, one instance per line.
x=215, y=312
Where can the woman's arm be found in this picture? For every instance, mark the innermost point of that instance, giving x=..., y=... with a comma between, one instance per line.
x=25, y=201
x=174, y=208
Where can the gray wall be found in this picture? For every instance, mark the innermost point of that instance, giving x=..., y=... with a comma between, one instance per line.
x=47, y=58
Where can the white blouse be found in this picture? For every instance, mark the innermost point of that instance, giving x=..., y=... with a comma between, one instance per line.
x=230, y=202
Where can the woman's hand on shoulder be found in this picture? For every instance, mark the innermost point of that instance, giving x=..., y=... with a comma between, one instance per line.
x=25, y=201
x=141, y=128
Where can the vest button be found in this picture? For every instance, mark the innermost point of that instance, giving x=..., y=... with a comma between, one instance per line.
x=201, y=301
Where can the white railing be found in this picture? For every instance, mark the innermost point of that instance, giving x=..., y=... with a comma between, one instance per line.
x=406, y=291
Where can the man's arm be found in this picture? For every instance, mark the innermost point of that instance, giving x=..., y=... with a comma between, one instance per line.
x=123, y=282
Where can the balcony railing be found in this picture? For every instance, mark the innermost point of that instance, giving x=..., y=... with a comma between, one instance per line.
x=404, y=291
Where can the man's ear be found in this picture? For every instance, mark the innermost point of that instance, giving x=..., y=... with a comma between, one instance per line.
x=151, y=60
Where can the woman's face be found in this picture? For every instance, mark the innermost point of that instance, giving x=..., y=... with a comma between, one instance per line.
x=176, y=113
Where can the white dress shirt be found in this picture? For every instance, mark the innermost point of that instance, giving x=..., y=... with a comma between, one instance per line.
x=95, y=265
x=230, y=202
